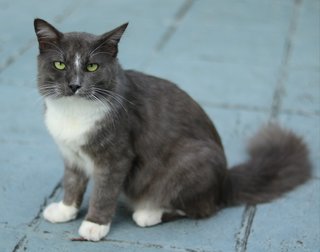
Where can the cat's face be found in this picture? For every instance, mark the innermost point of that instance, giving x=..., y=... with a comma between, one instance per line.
x=76, y=64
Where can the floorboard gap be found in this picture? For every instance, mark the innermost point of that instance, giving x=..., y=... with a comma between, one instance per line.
x=243, y=235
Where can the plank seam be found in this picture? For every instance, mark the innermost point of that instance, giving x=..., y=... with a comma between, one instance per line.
x=177, y=18
x=283, y=71
x=34, y=223
x=243, y=235
x=21, y=243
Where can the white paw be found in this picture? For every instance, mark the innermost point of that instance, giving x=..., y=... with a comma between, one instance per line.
x=147, y=217
x=59, y=212
x=92, y=231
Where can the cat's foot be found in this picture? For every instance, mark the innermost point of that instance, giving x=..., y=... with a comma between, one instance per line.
x=92, y=231
x=147, y=217
x=59, y=212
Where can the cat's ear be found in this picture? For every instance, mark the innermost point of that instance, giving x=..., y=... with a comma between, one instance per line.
x=46, y=33
x=110, y=40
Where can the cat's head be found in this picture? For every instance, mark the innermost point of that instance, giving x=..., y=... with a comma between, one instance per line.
x=76, y=64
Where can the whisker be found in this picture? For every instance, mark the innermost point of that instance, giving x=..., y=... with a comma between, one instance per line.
x=45, y=93
x=116, y=99
x=46, y=87
x=106, y=109
x=94, y=54
x=113, y=93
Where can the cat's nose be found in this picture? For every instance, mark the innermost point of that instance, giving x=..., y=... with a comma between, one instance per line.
x=74, y=87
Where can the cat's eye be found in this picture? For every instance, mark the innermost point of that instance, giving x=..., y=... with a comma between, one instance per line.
x=92, y=67
x=59, y=65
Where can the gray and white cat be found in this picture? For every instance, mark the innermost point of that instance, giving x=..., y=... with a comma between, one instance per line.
x=143, y=136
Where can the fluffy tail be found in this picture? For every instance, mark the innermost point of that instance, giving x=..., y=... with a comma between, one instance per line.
x=278, y=162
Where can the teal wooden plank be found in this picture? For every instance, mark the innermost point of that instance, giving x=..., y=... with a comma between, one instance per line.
x=228, y=52
x=16, y=31
x=290, y=223
x=306, y=44
x=144, y=31
x=242, y=32
x=302, y=91
x=50, y=243
x=9, y=238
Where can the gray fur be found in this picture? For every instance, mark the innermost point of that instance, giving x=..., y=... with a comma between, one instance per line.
x=158, y=144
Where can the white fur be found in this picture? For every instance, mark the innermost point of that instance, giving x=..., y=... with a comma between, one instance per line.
x=77, y=64
x=147, y=217
x=92, y=231
x=147, y=214
x=69, y=120
x=59, y=212
x=77, y=61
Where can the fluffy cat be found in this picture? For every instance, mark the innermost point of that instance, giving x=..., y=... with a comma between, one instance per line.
x=142, y=135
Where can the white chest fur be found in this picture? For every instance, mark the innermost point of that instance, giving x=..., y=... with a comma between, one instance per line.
x=70, y=120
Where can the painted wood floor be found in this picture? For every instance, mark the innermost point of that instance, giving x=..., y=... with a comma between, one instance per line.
x=245, y=62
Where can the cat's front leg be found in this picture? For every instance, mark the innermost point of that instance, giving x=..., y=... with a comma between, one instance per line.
x=74, y=183
x=107, y=186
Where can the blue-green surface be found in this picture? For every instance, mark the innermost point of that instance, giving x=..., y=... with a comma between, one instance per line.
x=244, y=61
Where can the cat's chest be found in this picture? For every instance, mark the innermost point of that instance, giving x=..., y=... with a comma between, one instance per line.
x=70, y=121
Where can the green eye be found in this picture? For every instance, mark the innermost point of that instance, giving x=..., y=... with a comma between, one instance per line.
x=59, y=65
x=92, y=67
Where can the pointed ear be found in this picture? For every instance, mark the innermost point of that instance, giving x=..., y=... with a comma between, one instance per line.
x=115, y=35
x=109, y=41
x=46, y=33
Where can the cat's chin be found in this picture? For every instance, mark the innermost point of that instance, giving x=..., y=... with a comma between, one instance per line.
x=68, y=98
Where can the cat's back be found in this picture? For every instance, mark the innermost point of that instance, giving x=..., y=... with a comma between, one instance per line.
x=159, y=92
x=164, y=107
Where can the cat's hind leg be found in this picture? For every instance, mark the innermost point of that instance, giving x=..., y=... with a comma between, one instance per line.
x=195, y=182
x=147, y=214
x=146, y=217
x=189, y=185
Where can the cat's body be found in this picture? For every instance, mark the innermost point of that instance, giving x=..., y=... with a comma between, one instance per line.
x=144, y=136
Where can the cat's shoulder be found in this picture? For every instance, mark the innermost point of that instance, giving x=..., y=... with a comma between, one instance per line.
x=148, y=81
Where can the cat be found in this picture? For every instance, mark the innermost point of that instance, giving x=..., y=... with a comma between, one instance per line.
x=143, y=136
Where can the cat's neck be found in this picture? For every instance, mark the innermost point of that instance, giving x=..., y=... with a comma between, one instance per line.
x=74, y=106
x=71, y=118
